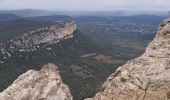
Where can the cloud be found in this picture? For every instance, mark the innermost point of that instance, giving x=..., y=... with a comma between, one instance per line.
x=1, y=1
x=155, y=5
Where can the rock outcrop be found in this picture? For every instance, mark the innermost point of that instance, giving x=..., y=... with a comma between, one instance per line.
x=45, y=84
x=37, y=39
x=46, y=35
x=146, y=77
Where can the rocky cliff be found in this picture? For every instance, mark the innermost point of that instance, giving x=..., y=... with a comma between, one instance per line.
x=45, y=84
x=146, y=77
x=37, y=39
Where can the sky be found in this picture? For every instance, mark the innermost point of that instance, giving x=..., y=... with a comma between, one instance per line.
x=87, y=5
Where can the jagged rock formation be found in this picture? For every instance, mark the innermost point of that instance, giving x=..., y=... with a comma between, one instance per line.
x=37, y=39
x=146, y=77
x=45, y=84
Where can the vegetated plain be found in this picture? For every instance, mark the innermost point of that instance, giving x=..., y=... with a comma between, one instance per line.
x=99, y=46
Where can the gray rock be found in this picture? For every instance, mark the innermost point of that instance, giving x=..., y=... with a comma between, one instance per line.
x=37, y=39
x=45, y=84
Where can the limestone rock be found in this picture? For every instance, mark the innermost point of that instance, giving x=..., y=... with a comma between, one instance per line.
x=47, y=35
x=45, y=84
x=37, y=39
x=146, y=77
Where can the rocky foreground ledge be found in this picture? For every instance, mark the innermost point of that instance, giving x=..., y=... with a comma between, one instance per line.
x=146, y=77
x=45, y=84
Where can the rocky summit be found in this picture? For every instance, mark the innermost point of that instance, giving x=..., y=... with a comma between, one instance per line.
x=146, y=77
x=45, y=84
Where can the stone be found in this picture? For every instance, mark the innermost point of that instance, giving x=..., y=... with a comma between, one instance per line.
x=45, y=84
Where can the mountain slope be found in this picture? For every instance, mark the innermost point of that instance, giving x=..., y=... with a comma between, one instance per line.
x=12, y=25
x=146, y=77
x=84, y=75
x=14, y=28
x=37, y=39
x=45, y=84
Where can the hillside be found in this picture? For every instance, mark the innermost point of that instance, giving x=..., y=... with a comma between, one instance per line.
x=84, y=60
x=142, y=27
x=37, y=39
x=8, y=17
x=13, y=25
x=80, y=73
x=144, y=78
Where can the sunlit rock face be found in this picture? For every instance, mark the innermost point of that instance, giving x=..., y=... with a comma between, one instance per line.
x=45, y=84
x=146, y=77
x=36, y=39
x=47, y=35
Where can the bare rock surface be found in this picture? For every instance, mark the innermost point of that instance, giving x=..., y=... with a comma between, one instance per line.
x=45, y=84
x=36, y=39
x=146, y=77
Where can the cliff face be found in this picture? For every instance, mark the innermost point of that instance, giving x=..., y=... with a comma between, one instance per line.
x=146, y=77
x=45, y=84
x=37, y=39
x=46, y=35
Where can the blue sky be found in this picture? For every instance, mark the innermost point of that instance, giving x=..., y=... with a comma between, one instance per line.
x=87, y=5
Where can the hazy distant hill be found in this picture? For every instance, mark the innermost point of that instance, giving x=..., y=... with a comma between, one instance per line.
x=34, y=12
x=140, y=26
x=142, y=19
x=8, y=17
x=52, y=18
x=25, y=12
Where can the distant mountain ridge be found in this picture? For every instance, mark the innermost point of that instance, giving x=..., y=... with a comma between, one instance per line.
x=26, y=12
x=55, y=18
x=36, y=12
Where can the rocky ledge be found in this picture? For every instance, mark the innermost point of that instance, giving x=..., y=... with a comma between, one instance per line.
x=146, y=77
x=45, y=84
